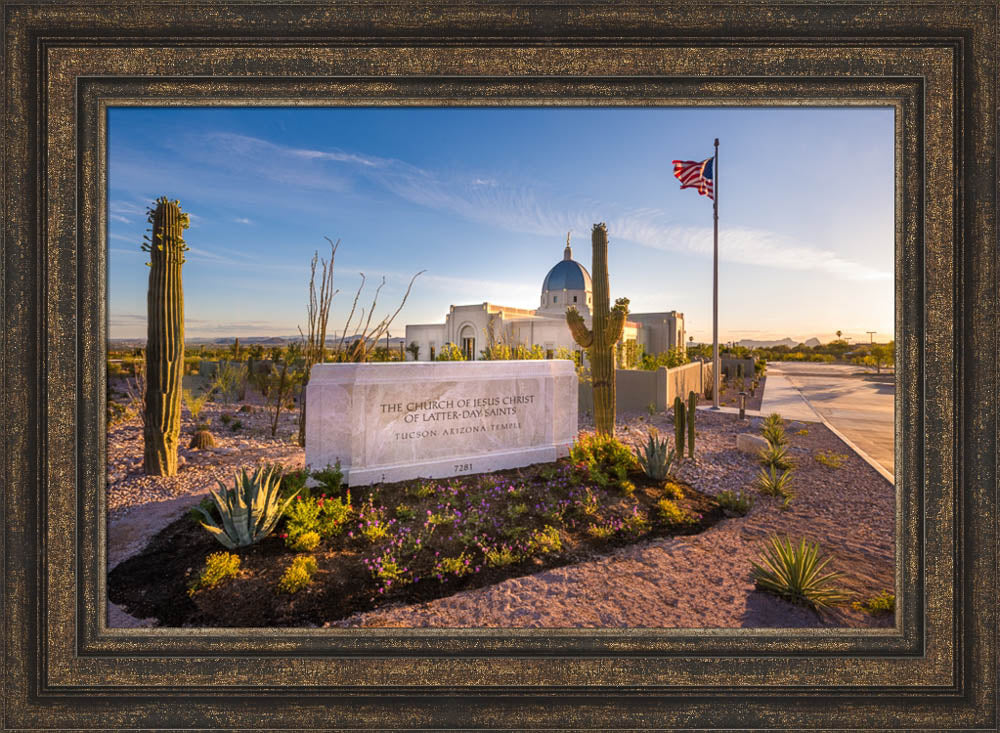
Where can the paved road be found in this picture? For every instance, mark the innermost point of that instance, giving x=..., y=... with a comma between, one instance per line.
x=857, y=403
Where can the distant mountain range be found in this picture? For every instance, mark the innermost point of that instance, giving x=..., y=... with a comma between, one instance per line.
x=267, y=341
x=790, y=343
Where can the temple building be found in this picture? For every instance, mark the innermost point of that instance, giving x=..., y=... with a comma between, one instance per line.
x=474, y=328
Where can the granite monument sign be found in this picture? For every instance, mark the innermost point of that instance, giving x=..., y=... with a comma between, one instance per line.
x=398, y=420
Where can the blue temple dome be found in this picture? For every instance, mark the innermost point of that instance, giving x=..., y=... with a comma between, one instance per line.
x=567, y=275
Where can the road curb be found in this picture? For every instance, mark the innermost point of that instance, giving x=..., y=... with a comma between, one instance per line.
x=883, y=471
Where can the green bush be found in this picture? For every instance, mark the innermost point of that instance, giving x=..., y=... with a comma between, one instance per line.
x=219, y=567
x=298, y=575
x=606, y=458
x=450, y=352
x=881, y=604
x=545, y=540
x=735, y=502
x=330, y=478
x=303, y=542
x=830, y=459
x=675, y=515
x=796, y=573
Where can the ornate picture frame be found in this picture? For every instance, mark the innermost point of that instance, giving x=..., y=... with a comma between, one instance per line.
x=67, y=63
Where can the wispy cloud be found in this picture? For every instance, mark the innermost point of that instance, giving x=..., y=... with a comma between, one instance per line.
x=242, y=220
x=520, y=209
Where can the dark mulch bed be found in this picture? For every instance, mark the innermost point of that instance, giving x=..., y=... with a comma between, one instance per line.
x=154, y=584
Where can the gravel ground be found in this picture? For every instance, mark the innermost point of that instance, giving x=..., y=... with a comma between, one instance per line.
x=129, y=487
x=700, y=581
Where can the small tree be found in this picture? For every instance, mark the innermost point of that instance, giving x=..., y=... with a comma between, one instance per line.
x=414, y=350
x=284, y=376
x=883, y=355
x=450, y=352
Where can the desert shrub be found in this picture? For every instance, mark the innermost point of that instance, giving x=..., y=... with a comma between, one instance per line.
x=673, y=490
x=776, y=456
x=458, y=566
x=601, y=531
x=606, y=458
x=195, y=404
x=450, y=352
x=545, y=540
x=674, y=514
x=303, y=542
x=830, y=459
x=226, y=419
x=330, y=478
x=883, y=603
x=404, y=512
x=228, y=377
x=497, y=557
x=236, y=426
x=219, y=567
x=298, y=575
x=293, y=483
x=656, y=457
x=326, y=516
x=795, y=572
x=803, y=431
x=118, y=413
x=735, y=502
x=423, y=490
x=245, y=408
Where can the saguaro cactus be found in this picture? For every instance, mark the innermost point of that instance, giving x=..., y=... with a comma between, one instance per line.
x=679, y=414
x=692, y=406
x=599, y=341
x=165, y=338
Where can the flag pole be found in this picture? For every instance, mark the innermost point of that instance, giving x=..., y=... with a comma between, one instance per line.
x=715, y=279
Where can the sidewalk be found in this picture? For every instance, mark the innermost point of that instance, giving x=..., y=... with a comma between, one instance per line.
x=782, y=397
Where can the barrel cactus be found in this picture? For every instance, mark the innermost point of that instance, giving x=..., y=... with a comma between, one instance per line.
x=165, y=338
x=599, y=341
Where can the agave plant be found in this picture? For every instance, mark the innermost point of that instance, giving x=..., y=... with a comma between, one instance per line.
x=655, y=458
x=249, y=510
x=776, y=456
x=796, y=573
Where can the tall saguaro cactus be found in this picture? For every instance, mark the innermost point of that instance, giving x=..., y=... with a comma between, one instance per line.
x=599, y=341
x=165, y=338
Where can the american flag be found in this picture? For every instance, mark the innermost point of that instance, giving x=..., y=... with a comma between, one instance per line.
x=696, y=174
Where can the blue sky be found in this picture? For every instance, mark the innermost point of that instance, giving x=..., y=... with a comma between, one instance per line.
x=482, y=200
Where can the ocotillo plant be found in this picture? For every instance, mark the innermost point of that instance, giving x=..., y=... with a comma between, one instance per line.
x=679, y=414
x=599, y=341
x=165, y=338
x=692, y=402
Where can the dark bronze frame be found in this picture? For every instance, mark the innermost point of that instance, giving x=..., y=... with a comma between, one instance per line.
x=935, y=64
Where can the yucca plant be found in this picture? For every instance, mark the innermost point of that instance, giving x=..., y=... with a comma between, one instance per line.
x=796, y=573
x=773, y=483
x=775, y=435
x=656, y=457
x=776, y=456
x=773, y=419
x=249, y=510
